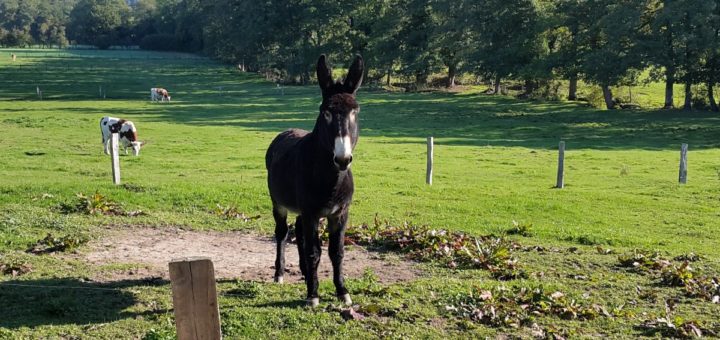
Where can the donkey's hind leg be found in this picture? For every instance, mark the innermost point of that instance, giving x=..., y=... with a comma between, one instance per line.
x=299, y=239
x=281, y=233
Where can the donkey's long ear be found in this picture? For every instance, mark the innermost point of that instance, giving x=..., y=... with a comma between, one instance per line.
x=324, y=74
x=355, y=75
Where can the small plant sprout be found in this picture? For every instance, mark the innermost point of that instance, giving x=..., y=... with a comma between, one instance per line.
x=624, y=170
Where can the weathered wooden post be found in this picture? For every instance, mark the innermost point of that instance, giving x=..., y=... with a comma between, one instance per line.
x=429, y=171
x=683, y=163
x=39, y=92
x=115, y=157
x=561, y=166
x=197, y=314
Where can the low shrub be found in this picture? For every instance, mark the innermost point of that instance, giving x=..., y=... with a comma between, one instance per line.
x=455, y=249
x=53, y=244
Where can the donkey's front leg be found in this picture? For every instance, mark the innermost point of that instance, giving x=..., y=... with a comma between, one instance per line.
x=336, y=226
x=312, y=250
x=281, y=232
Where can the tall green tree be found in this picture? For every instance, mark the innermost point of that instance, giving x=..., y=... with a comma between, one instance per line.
x=418, y=57
x=505, y=37
x=613, y=57
x=570, y=28
x=451, y=38
x=696, y=34
x=96, y=22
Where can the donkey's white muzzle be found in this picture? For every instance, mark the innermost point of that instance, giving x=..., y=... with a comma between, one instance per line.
x=342, y=155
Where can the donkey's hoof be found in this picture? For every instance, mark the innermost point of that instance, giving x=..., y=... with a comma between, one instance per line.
x=345, y=298
x=314, y=302
x=279, y=279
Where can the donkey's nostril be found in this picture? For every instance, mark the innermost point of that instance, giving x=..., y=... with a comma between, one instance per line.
x=343, y=162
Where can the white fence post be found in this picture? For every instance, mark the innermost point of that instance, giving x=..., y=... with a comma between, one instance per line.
x=561, y=166
x=683, y=163
x=429, y=171
x=115, y=158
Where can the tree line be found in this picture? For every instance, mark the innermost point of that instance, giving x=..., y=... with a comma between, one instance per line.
x=534, y=42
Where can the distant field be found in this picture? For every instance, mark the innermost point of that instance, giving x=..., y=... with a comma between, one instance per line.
x=495, y=163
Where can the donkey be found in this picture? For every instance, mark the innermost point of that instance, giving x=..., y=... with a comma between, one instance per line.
x=309, y=174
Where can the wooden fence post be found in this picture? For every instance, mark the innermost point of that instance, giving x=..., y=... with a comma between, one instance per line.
x=683, y=163
x=197, y=314
x=39, y=92
x=561, y=166
x=429, y=171
x=115, y=157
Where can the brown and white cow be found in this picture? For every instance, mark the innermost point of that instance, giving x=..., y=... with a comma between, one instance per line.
x=126, y=132
x=159, y=94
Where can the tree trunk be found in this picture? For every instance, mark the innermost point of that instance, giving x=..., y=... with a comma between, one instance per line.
x=572, y=90
x=530, y=86
x=669, y=94
x=711, y=97
x=421, y=79
x=497, y=85
x=607, y=94
x=452, y=69
x=388, y=77
x=305, y=79
x=688, y=97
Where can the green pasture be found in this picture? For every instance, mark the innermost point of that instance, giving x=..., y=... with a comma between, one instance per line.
x=495, y=163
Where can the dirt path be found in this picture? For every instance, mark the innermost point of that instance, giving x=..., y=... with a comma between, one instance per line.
x=234, y=254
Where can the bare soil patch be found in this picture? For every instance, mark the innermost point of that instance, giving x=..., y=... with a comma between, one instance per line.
x=236, y=255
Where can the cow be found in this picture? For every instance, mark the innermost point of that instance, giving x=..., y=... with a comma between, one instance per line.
x=159, y=94
x=127, y=134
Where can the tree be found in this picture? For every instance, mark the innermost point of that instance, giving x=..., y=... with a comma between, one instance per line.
x=96, y=22
x=417, y=57
x=451, y=37
x=695, y=33
x=505, y=37
x=613, y=58
x=570, y=27
x=711, y=67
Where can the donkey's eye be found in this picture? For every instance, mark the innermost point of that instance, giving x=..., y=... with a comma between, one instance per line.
x=328, y=116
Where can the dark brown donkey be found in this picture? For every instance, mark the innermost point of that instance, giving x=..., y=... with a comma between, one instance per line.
x=309, y=174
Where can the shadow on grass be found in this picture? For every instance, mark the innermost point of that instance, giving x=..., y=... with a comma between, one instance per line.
x=31, y=303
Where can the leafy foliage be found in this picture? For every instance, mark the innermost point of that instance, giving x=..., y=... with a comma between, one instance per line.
x=232, y=213
x=455, y=249
x=516, y=307
x=643, y=260
x=13, y=266
x=677, y=276
x=95, y=204
x=673, y=275
x=673, y=326
x=52, y=244
x=522, y=229
x=163, y=333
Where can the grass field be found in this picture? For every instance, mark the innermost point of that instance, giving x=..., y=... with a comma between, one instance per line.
x=495, y=163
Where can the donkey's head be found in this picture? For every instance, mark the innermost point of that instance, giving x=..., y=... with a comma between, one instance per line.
x=337, y=124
